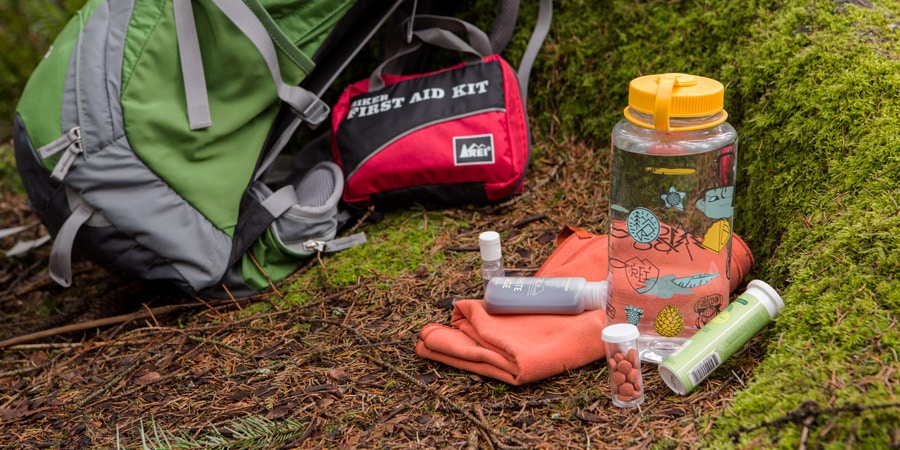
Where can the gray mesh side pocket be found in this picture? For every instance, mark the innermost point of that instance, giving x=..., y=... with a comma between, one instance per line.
x=312, y=221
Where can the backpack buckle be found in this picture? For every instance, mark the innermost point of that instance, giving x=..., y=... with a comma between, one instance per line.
x=315, y=113
x=70, y=146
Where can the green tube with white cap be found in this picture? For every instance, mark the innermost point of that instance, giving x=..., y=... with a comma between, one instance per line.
x=724, y=335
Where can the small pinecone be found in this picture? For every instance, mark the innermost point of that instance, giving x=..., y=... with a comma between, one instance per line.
x=669, y=322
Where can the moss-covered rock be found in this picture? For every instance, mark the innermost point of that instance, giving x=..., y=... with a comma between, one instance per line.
x=821, y=167
x=812, y=88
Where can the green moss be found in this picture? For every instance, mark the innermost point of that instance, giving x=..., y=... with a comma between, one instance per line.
x=255, y=308
x=28, y=30
x=820, y=210
x=9, y=176
x=396, y=247
x=580, y=83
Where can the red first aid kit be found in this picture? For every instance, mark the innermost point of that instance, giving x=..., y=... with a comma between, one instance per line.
x=449, y=137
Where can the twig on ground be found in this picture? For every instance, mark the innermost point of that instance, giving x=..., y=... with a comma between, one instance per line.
x=25, y=274
x=15, y=373
x=124, y=318
x=522, y=222
x=146, y=313
x=218, y=344
x=151, y=315
x=109, y=384
x=529, y=404
x=806, y=414
x=47, y=346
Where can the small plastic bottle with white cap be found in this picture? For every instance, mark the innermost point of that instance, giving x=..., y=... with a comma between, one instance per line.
x=491, y=256
x=725, y=334
x=543, y=295
x=625, y=379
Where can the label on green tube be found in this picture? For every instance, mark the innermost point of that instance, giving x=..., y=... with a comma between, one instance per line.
x=724, y=335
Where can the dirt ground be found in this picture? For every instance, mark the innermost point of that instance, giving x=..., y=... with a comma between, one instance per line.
x=328, y=374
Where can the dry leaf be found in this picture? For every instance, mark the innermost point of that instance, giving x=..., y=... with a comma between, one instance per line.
x=148, y=377
x=588, y=416
x=338, y=374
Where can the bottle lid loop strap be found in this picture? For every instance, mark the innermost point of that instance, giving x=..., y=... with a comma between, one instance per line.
x=663, y=102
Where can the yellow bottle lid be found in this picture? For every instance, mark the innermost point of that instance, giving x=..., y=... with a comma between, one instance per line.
x=676, y=95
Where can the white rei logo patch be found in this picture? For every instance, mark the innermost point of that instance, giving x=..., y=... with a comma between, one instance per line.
x=473, y=149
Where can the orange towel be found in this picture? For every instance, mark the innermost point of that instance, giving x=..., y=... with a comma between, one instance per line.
x=520, y=349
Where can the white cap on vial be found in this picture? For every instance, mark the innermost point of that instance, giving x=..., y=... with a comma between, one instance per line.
x=619, y=333
x=489, y=242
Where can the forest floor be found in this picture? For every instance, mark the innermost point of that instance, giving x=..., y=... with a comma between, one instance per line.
x=338, y=371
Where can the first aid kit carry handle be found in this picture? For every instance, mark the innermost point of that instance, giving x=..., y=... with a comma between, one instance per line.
x=442, y=34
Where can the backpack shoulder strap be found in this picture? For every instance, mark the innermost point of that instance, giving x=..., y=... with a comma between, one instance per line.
x=350, y=35
x=541, y=28
x=199, y=116
x=60, y=266
x=305, y=104
x=504, y=24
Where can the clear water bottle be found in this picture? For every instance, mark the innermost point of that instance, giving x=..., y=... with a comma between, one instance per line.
x=671, y=210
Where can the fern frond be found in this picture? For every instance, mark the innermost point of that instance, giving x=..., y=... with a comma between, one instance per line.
x=249, y=432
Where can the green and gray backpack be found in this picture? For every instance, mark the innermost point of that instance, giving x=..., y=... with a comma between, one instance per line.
x=144, y=136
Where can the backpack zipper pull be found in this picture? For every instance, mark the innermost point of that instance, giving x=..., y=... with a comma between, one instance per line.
x=335, y=245
x=70, y=144
x=314, y=245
